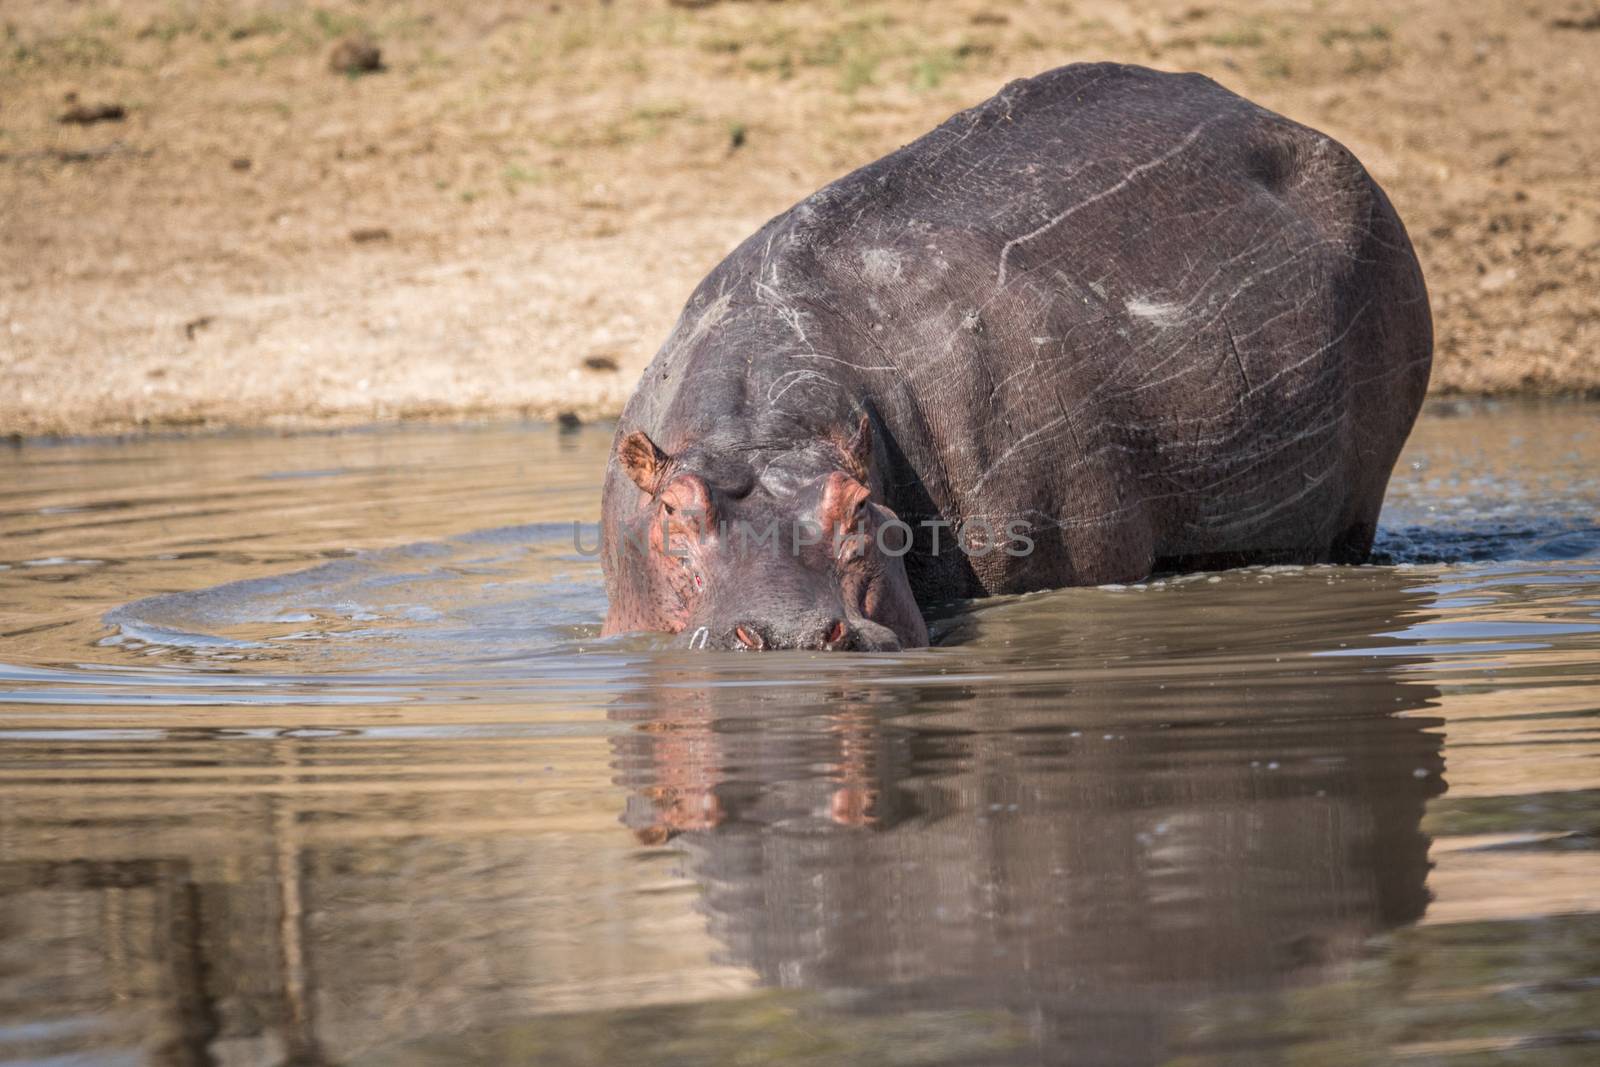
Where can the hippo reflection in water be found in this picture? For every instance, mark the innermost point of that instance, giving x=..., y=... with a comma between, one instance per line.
x=1108, y=872
x=1133, y=316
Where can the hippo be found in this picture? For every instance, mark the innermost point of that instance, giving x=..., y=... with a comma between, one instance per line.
x=1109, y=323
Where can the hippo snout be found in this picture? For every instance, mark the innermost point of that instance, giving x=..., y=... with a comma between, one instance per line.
x=830, y=634
x=758, y=636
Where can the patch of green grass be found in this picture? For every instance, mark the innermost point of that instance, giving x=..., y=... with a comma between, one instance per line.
x=929, y=70
x=1363, y=61
x=659, y=112
x=1526, y=813
x=81, y=48
x=833, y=47
x=336, y=24
x=868, y=47
x=516, y=174
x=854, y=49
x=644, y=122
x=1374, y=32
x=781, y=65
x=168, y=28
x=857, y=72
x=403, y=27
x=1276, y=65
x=649, y=120
x=1245, y=35
x=767, y=1030
x=107, y=21
x=262, y=24
x=775, y=35
x=778, y=50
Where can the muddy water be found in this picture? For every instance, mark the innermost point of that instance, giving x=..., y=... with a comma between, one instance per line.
x=309, y=753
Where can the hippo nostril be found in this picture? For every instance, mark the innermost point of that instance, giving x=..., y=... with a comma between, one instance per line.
x=837, y=632
x=749, y=637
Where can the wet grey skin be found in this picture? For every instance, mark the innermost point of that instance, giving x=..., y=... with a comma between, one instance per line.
x=1162, y=328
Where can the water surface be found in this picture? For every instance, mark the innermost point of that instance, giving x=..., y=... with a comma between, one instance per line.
x=312, y=754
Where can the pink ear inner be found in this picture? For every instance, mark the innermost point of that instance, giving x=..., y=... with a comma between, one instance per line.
x=841, y=495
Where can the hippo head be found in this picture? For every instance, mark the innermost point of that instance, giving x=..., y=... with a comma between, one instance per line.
x=761, y=548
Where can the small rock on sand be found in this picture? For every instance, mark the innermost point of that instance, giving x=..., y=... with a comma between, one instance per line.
x=88, y=114
x=356, y=55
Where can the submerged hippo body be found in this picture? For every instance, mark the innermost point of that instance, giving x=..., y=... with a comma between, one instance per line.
x=1157, y=326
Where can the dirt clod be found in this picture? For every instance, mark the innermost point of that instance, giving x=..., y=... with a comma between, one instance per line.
x=369, y=234
x=356, y=55
x=1584, y=24
x=89, y=114
x=600, y=363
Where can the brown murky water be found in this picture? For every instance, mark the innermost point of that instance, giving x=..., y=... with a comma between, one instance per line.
x=309, y=754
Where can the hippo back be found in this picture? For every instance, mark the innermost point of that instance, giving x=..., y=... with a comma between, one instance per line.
x=1161, y=324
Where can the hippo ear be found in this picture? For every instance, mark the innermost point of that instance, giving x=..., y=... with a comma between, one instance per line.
x=642, y=460
x=857, y=448
x=841, y=496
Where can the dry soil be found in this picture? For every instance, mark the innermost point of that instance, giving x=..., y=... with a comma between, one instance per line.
x=505, y=217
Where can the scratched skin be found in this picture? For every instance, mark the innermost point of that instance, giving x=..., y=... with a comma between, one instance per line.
x=1166, y=328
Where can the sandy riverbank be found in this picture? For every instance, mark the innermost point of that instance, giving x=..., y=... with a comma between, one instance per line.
x=507, y=217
